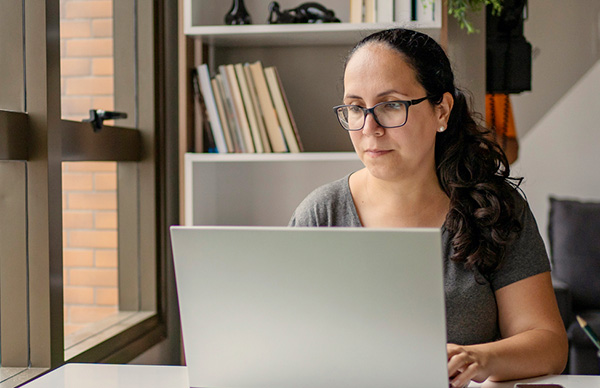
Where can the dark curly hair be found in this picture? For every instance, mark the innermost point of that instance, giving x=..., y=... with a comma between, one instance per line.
x=471, y=167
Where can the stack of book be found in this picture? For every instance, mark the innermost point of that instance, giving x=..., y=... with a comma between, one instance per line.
x=245, y=110
x=394, y=11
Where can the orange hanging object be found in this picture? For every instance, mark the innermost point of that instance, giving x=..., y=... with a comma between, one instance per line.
x=499, y=115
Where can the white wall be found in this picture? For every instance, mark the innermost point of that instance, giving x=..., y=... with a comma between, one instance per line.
x=565, y=35
x=560, y=155
x=558, y=122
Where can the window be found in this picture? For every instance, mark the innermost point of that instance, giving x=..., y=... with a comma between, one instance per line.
x=90, y=211
x=14, y=330
x=13, y=270
x=70, y=183
x=109, y=278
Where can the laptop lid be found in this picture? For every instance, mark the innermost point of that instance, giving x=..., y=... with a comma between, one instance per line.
x=311, y=307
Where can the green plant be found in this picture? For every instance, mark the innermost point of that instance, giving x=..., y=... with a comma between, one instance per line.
x=459, y=9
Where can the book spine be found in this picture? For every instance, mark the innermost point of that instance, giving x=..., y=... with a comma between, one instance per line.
x=370, y=11
x=248, y=105
x=234, y=125
x=199, y=114
x=240, y=108
x=356, y=11
x=257, y=110
x=425, y=11
x=222, y=114
x=402, y=11
x=211, y=108
x=289, y=111
x=271, y=122
x=281, y=110
x=385, y=11
x=437, y=11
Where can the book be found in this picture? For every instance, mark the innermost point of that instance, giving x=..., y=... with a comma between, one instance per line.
x=249, y=107
x=289, y=111
x=402, y=11
x=281, y=104
x=240, y=108
x=369, y=11
x=276, y=138
x=199, y=115
x=425, y=10
x=222, y=114
x=385, y=11
x=203, y=139
x=356, y=11
x=437, y=11
x=211, y=108
x=227, y=108
x=257, y=111
x=234, y=125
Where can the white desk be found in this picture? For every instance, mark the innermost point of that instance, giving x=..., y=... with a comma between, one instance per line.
x=113, y=376
x=138, y=376
x=566, y=381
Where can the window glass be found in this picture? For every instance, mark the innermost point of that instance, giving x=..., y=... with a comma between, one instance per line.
x=104, y=291
x=89, y=188
x=90, y=241
x=14, y=323
x=90, y=244
x=87, y=60
x=94, y=61
x=12, y=81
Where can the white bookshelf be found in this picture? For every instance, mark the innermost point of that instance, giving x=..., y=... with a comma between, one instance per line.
x=297, y=34
x=205, y=18
x=264, y=189
x=256, y=189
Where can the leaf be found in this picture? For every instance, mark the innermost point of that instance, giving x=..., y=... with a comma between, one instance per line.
x=459, y=8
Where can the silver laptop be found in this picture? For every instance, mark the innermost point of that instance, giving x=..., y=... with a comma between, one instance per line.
x=278, y=307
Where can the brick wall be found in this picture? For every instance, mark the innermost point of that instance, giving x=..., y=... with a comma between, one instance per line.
x=89, y=188
x=86, y=57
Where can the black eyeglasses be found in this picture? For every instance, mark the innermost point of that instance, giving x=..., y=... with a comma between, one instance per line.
x=388, y=114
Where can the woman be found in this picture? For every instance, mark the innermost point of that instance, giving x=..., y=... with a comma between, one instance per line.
x=436, y=167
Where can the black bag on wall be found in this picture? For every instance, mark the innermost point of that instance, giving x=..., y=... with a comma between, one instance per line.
x=508, y=54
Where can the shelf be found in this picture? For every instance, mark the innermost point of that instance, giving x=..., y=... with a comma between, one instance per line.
x=264, y=189
x=205, y=19
x=297, y=34
x=256, y=189
x=192, y=157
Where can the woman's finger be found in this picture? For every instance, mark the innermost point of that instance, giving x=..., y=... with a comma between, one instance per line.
x=464, y=377
x=458, y=363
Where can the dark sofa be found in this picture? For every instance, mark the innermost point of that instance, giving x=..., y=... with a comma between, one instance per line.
x=574, y=238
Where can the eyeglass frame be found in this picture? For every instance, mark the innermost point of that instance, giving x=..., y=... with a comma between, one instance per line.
x=371, y=110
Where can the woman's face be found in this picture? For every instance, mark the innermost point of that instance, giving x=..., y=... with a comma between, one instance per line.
x=377, y=73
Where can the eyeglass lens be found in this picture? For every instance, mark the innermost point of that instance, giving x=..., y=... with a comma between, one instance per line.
x=387, y=114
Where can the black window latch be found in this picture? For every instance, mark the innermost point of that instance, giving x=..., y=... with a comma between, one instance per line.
x=97, y=117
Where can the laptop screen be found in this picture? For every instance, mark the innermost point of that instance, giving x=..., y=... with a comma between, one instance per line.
x=311, y=307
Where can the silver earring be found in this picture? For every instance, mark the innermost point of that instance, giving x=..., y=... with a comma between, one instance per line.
x=442, y=129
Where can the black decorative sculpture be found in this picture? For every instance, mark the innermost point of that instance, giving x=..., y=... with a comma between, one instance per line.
x=304, y=13
x=238, y=14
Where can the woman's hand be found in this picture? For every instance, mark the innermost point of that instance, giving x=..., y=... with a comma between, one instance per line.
x=466, y=363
